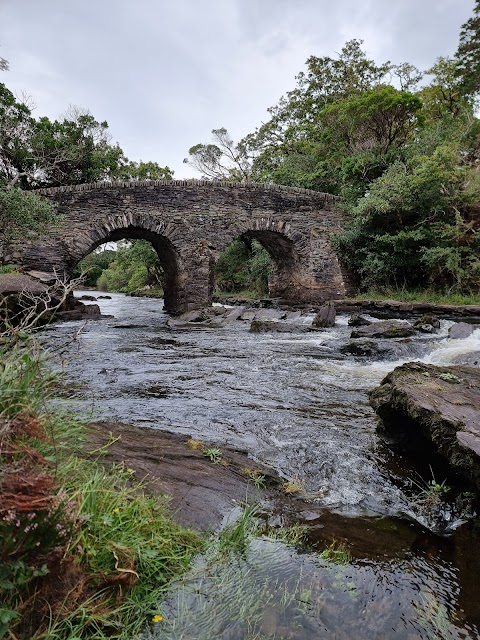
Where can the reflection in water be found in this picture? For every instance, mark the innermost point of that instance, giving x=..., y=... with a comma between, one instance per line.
x=271, y=591
x=299, y=405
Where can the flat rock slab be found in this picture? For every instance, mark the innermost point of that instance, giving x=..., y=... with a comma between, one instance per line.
x=267, y=326
x=16, y=283
x=390, y=308
x=441, y=404
x=266, y=315
x=201, y=492
x=385, y=329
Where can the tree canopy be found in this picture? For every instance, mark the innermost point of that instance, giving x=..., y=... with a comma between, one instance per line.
x=401, y=148
x=39, y=152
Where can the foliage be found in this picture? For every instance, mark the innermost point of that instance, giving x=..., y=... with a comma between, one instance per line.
x=468, y=54
x=254, y=475
x=22, y=213
x=409, y=231
x=93, y=266
x=419, y=295
x=83, y=551
x=244, y=265
x=213, y=454
x=135, y=266
x=337, y=552
x=143, y=171
x=222, y=159
x=48, y=153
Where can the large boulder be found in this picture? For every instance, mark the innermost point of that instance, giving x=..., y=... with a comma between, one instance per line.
x=357, y=320
x=19, y=283
x=80, y=311
x=421, y=404
x=364, y=347
x=385, y=329
x=325, y=317
x=21, y=294
x=461, y=330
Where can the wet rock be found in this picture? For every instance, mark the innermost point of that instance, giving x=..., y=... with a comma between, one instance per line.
x=363, y=348
x=461, y=330
x=91, y=310
x=427, y=324
x=325, y=317
x=248, y=315
x=266, y=326
x=104, y=297
x=87, y=297
x=357, y=320
x=201, y=492
x=81, y=311
x=208, y=317
x=233, y=314
x=292, y=316
x=471, y=359
x=385, y=329
x=395, y=309
x=440, y=406
x=264, y=315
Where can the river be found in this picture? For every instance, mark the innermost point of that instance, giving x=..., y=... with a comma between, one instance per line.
x=299, y=405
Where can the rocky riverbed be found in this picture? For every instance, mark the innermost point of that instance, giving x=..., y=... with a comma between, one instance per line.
x=295, y=404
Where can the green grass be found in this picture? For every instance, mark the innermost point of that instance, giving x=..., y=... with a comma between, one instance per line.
x=8, y=268
x=435, y=297
x=118, y=544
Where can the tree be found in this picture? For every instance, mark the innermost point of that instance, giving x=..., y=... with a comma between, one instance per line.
x=221, y=160
x=468, y=54
x=243, y=266
x=135, y=266
x=74, y=150
x=22, y=213
x=143, y=171
x=340, y=106
x=411, y=229
x=93, y=265
x=16, y=125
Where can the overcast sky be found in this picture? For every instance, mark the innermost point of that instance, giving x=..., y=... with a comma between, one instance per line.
x=165, y=73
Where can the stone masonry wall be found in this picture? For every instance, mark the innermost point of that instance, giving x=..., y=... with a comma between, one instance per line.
x=190, y=223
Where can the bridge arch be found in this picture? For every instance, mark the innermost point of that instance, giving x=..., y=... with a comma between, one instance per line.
x=275, y=236
x=190, y=223
x=115, y=229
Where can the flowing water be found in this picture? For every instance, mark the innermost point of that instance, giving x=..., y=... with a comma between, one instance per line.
x=297, y=404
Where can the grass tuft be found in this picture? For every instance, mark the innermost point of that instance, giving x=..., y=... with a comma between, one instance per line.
x=84, y=551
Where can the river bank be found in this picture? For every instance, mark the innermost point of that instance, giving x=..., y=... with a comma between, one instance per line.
x=202, y=481
x=296, y=404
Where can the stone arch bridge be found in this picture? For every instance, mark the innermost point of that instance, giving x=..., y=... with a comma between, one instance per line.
x=189, y=223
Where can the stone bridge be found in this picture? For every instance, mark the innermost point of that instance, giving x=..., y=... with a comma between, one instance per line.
x=189, y=223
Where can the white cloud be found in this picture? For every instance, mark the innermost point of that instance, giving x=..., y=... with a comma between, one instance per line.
x=164, y=74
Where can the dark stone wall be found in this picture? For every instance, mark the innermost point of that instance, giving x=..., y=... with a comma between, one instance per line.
x=190, y=223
